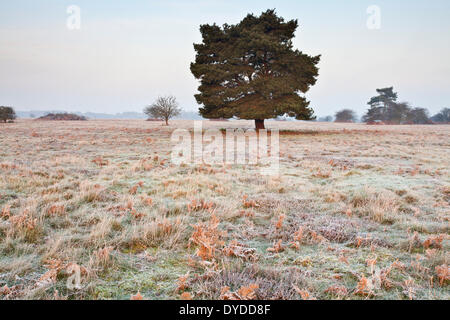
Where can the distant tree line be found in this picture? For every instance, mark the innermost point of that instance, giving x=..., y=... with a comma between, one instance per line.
x=63, y=117
x=325, y=119
x=442, y=117
x=384, y=108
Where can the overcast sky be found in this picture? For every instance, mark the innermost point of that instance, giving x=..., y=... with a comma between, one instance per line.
x=128, y=52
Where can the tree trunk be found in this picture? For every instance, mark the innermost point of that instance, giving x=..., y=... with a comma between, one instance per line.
x=167, y=122
x=259, y=124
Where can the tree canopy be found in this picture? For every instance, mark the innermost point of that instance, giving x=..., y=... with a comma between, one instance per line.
x=7, y=114
x=419, y=116
x=384, y=97
x=379, y=105
x=345, y=115
x=443, y=116
x=251, y=70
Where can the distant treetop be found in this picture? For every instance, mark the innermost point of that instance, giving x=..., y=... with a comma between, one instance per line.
x=385, y=95
x=62, y=117
x=442, y=117
x=345, y=115
x=7, y=114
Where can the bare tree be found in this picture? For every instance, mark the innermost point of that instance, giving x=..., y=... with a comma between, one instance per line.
x=164, y=108
x=418, y=116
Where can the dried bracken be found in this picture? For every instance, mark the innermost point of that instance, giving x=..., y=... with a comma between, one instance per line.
x=186, y=296
x=244, y=293
x=364, y=287
x=434, y=242
x=279, y=223
x=298, y=235
x=207, y=238
x=6, y=212
x=304, y=294
x=248, y=292
x=101, y=257
x=278, y=247
x=322, y=175
x=100, y=162
x=198, y=205
x=54, y=266
x=339, y=291
x=183, y=282
x=247, y=213
x=133, y=190
x=23, y=223
x=137, y=296
x=246, y=203
x=443, y=273
x=147, y=201
x=371, y=264
x=5, y=290
x=58, y=210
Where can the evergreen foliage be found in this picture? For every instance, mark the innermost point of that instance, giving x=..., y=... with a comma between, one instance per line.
x=251, y=70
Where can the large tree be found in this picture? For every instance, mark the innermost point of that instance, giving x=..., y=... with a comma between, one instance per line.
x=7, y=114
x=251, y=70
x=380, y=104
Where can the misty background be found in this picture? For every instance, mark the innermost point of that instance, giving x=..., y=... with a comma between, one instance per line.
x=129, y=52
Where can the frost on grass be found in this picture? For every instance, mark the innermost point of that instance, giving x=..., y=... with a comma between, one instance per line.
x=357, y=212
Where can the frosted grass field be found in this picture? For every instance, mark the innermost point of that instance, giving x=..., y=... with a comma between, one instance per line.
x=357, y=212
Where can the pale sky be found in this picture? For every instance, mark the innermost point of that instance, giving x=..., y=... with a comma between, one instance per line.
x=128, y=52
